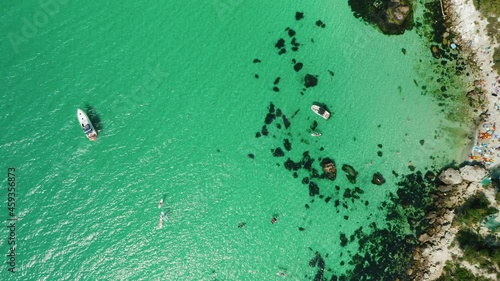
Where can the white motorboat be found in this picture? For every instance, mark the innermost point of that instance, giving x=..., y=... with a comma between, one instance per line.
x=320, y=111
x=86, y=125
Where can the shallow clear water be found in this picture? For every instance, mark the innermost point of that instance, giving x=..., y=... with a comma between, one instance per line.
x=173, y=84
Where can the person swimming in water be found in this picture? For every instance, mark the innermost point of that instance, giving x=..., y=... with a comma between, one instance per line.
x=274, y=220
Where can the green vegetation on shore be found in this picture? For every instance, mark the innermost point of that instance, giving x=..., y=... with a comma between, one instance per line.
x=490, y=9
x=487, y=7
x=479, y=250
x=453, y=272
x=474, y=210
x=496, y=59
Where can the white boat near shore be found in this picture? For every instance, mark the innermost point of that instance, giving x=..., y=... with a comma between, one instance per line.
x=86, y=125
x=320, y=111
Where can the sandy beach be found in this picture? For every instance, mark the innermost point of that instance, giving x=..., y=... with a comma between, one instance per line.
x=473, y=38
x=474, y=41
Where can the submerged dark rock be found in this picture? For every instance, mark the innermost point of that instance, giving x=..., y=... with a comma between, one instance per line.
x=278, y=152
x=430, y=175
x=314, y=125
x=343, y=240
x=351, y=173
x=320, y=24
x=287, y=145
x=436, y=51
x=278, y=112
x=310, y=80
x=286, y=122
x=290, y=165
x=347, y=193
x=307, y=161
x=271, y=108
x=280, y=44
x=298, y=66
x=314, y=261
x=299, y=15
x=269, y=118
x=313, y=189
x=264, y=130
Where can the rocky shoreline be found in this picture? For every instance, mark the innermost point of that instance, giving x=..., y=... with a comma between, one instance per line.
x=437, y=246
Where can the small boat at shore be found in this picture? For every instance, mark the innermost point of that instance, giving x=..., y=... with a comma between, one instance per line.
x=320, y=111
x=86, y=125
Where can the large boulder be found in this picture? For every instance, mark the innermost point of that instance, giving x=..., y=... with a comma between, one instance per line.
x=329, y=168
x=450, y=176
x=473, y=173
x=390, y=16
x=424, y=238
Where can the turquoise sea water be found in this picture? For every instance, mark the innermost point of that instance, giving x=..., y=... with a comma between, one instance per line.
x=171, y=87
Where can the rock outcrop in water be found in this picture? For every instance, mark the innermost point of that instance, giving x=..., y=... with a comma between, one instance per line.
x=390, y=16
x=378, y=179
x=351, y=173
x=329, y=168
x=450, y=176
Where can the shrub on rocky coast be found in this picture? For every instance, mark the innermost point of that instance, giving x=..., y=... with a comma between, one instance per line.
x=496, y=59
x=474, y=210
x=453, y=272
x=479, y=250
x=488, y=7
